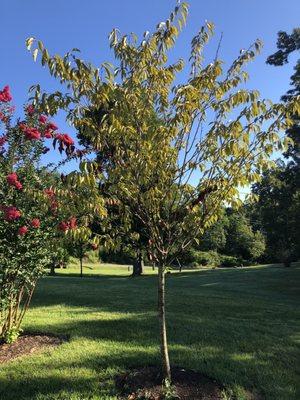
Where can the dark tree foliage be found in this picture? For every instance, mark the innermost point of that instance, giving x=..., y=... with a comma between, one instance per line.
x=278, y=213
x=287, y=44
x=278, y=208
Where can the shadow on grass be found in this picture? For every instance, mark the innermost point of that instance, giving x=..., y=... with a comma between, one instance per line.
x=246, y=357
x=123, y=293
x=217, y=325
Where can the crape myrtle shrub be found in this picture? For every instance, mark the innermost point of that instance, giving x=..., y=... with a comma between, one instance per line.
x=35, y=210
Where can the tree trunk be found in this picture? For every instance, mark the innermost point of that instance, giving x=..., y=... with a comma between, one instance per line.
x=138, y=265
x=180, y=266
x=52, y=268
x=287, y=263
x=166, y=370
x=81, y=268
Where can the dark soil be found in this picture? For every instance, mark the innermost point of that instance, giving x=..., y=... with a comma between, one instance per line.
x=28, y=344
x=146, y=383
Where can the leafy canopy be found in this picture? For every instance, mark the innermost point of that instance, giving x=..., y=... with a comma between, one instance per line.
x=172, y=154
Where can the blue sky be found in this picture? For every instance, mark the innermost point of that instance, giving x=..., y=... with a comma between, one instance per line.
x=64, y=24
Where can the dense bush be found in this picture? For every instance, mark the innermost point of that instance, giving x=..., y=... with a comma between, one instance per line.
x=117, y=256
x=202, y=258
x=36, y=209
x=230, y=262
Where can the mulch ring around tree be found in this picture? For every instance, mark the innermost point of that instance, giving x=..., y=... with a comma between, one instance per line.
x=27, y=344
x=146, y=383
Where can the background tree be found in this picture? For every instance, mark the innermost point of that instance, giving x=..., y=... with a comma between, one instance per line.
x=125, y=240
x=278, y=206
x=214, y=238
x=151, y=164
x=79, y=245
x=287, y=44
x=241, y=240
x=278, y=212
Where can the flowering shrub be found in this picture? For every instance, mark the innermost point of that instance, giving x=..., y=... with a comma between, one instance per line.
x=33, y=209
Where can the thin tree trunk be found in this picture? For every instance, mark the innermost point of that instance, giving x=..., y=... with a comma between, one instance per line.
x=81, y=268
x=180, y=266
x=162, y=325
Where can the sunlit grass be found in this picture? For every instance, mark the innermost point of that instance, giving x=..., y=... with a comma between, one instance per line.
x=238, y=326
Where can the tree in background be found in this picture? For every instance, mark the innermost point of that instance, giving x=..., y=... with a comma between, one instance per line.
x=215, y=237
x=287, y=44
x=278, y=210
x=278, y=213
x=241, y=240
x=234, y=235
x=78, y=244
x=158, y=136
x=125, y=239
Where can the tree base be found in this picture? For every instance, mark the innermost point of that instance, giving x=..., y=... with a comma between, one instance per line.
x=147, y=382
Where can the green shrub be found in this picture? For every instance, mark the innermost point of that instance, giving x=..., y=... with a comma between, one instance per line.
x=194, y=265
x=204, y=258
x=230, y=262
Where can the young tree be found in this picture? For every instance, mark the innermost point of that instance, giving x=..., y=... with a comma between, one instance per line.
x=79, y=245
x=157, y=137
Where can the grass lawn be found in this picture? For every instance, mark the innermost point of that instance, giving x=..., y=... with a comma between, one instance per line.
x=240, y=326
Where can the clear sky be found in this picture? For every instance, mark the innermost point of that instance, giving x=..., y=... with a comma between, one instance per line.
x=85, y=24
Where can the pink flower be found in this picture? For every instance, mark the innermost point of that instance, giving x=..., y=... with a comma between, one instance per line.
x=5, y=95
x=3, y=139
x=18, y=185
x=12, y=178
x=22, y=230
x=11, y=213
x=48, y=134
x=30, y=133
x=72, y=223
x=68, y=141
x=3, y=117
x=35, y=223
x=42, y=119
x=52, y=126
x=63, y=226
x=30, y=109
x=49, y=192
x=65, y=139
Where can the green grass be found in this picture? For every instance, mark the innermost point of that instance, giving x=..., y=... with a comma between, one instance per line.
x=238, y=326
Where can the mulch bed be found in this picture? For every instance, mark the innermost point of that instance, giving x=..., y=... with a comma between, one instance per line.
x=145, y=383
x=27, y=344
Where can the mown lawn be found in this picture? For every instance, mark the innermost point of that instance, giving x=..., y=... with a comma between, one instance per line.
x=239, y=326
